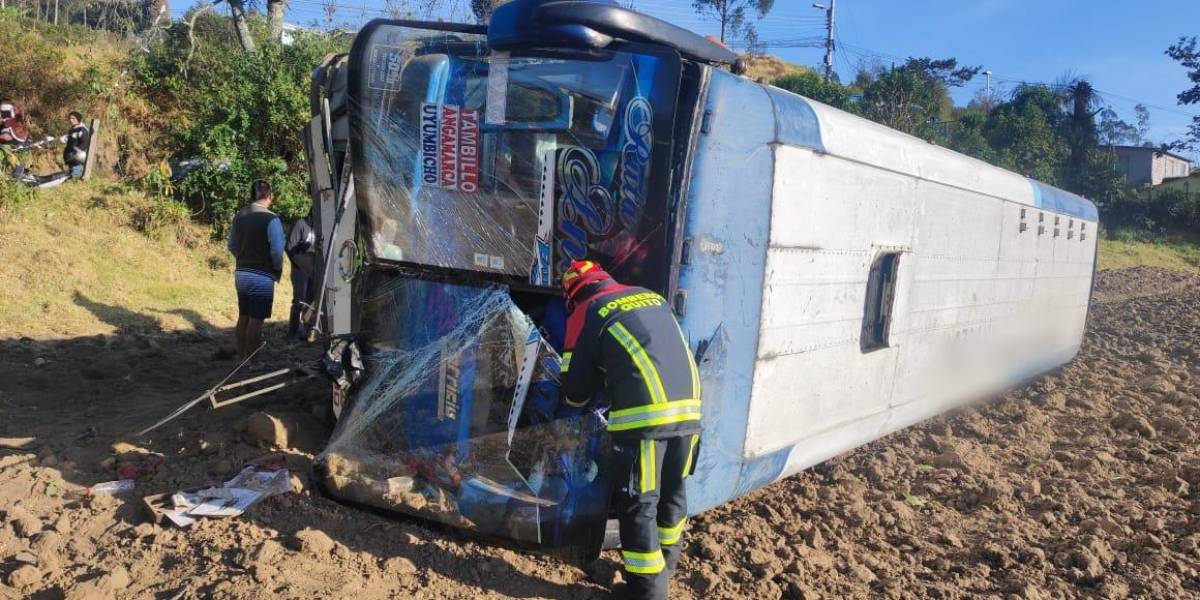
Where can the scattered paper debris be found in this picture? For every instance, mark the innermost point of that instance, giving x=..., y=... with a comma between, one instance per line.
x=230, y=500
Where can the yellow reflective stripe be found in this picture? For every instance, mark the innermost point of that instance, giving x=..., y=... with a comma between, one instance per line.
x=691, y=454
x=576, y=404
x=691, y=364
x=669, y=536
x=654, y=422
x=566, y=362
x=654, y=414
x=649, y=476
x=642, y=361
x=649, y=408
x=643, y=562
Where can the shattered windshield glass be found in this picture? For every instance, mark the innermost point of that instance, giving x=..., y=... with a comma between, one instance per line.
x=459, y=420
x=512, y=164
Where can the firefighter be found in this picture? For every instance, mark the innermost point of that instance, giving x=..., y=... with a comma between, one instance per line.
x=625, y=342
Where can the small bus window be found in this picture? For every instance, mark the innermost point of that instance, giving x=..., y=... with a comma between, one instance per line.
x=881, y=295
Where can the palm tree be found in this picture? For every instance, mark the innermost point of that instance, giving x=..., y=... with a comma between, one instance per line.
x=1082, y=104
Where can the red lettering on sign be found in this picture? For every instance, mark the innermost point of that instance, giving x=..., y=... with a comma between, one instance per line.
x=448, y=162
x=468, y=151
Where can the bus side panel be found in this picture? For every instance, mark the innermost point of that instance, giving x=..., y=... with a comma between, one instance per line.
x=960, y=300
x=728, y=213
x=982, y=299
x=831, y=219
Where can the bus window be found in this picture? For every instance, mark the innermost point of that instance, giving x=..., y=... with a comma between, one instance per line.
x=881, y=296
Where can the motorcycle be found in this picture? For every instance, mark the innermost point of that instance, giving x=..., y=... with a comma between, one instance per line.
x=22, y=174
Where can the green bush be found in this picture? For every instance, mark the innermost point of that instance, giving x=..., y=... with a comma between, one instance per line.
x=241, y=113
x=1152, y=211
x=217, y=192
x=1173, y=206
x=12, y=192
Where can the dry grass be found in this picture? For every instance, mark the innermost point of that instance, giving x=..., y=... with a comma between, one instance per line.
x=101, y=87
x=72, y=264
x=769, y=68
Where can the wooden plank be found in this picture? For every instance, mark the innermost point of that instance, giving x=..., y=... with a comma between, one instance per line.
x=90, y=163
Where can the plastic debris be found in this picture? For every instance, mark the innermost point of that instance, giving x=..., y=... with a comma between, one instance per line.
x=111, y=487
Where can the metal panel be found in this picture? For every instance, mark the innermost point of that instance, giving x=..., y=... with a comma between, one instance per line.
x=979, y=303
x=727, y=221
x=1063, y=202
x=830, y=219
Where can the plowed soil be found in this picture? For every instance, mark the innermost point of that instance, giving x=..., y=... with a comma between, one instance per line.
x=1083, y=483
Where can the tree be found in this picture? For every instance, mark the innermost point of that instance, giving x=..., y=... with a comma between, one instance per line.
x=945, y=72
x=1025, y=133
x=1115, y=131
x=984, y=101
x=734, y=15
x=812, y=85
x=1143, y=123
x=914, y=96
x=1186, y=54
x=1080, y=128
x=275, y=10
x=901, y=100
x=970, y=137
x=237, y=11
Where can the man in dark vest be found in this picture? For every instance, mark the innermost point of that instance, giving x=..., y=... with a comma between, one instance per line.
x=256, y=241
x=625, y=342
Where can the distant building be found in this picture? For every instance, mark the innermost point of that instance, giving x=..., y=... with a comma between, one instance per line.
x=1147, y=165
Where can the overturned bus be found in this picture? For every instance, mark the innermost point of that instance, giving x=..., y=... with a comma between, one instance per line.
x=836, y=279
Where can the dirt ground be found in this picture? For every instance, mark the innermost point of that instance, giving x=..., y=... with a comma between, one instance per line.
x=1085, y=483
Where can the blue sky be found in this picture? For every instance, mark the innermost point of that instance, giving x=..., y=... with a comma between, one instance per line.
x=1118, y=45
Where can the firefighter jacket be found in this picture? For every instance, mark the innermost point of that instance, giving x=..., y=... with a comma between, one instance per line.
x=626, y=342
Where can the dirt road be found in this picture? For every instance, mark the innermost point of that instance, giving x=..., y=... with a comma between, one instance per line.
x=1085, y=483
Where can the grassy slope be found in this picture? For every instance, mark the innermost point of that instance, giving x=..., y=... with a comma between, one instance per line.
x=71, y=264
x=1121, y=254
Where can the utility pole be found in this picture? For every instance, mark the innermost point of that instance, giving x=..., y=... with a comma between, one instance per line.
x=988, y=101
x=830, y=14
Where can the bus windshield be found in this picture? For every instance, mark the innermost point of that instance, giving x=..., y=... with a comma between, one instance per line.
x=512, y=164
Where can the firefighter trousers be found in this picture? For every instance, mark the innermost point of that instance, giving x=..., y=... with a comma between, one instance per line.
x=651, y=506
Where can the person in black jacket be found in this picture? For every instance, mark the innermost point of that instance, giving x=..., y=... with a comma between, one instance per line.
x=301, y=251
x=625, y=342
x=76, y=145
